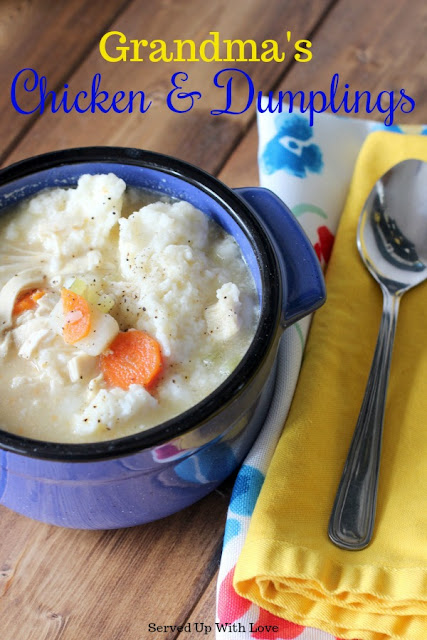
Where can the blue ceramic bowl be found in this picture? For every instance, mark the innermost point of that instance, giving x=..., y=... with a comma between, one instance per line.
x=139, y=478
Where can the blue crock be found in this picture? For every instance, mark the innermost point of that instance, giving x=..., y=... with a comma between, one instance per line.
x=143, y=477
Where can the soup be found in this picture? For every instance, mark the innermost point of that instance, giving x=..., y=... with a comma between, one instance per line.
x=119, y=309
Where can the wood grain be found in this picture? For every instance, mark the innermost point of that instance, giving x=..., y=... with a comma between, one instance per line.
x=50, y=37
x=375, y=47
x=196, y=136
x=69, y=584
x=241, y=169
x=203, y=614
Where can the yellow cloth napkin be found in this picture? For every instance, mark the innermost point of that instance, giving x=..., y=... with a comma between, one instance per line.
x=288, y=565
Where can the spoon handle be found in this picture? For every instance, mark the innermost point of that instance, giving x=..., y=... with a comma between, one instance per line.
x=353, y=514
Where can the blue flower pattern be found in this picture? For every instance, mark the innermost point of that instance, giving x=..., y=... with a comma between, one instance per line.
x=290, y=149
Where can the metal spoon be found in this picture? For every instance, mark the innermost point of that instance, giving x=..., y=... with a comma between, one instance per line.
x=392, y=241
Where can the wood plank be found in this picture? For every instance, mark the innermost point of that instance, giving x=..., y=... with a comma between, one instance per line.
x=374, y=46
x=241, y=168
x=57, y=583
x=196, y=136
x=203, y=615
x=50, y=37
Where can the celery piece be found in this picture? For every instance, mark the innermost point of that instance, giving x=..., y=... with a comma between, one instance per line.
x=92, y=294
x=79, y=286
x=105, y=302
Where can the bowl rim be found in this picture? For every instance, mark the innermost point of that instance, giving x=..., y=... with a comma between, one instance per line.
x=262, y=342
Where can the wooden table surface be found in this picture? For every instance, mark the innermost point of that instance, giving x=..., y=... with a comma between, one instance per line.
x=80, y=585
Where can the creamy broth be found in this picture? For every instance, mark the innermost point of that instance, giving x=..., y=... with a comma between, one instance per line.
x=140, y=263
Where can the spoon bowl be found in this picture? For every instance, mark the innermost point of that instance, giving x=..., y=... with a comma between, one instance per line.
x=392, y=232
x=392, y=242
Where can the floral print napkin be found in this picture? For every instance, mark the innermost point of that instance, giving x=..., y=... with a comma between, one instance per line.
x=310, y=169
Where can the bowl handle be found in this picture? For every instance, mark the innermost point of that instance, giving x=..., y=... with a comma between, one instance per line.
x=303, y=279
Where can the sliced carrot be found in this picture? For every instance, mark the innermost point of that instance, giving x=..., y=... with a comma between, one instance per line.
x=77, y=316
x=134, y=357
x=27, y=301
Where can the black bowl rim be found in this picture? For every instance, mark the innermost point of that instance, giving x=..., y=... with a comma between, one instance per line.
x=258, y=351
